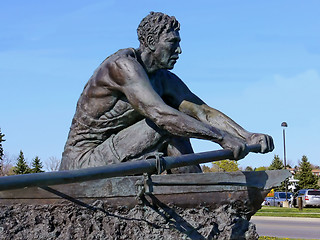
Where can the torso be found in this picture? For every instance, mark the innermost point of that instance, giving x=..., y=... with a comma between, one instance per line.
x=101, y=110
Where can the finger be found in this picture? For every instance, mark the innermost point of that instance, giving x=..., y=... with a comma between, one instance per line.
x=264, y=144
x=245, y=151
x=240, y=151
x=268, y=143
x=271, y=144
x=236, y=153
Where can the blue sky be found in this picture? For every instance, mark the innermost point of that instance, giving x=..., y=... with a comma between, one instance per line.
x=256, y=61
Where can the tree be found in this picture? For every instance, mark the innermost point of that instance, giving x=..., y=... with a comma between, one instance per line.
x=36, y=165
x=222, y=166
x=261, y=169
x=305, y=176
x=227, y=166
x=276, y=163
x=7, y=167
x=206, y=169
x=52, y=164
x=1, y=154
x=249, y=168
x=22, y=166
x=5, y=161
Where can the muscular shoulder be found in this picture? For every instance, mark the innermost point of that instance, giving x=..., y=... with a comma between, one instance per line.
x=122, y=55
x=122, y=66
x=102, y=79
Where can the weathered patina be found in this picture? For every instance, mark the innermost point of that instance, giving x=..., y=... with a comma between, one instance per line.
x=156, y=164
x=174, y=206
x=133, y=106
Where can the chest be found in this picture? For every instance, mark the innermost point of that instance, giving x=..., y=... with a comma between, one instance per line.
x=157, y=84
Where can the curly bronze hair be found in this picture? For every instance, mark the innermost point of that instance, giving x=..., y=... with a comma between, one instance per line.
x=154, y=24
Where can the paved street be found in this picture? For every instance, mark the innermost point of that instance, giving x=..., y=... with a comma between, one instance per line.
x=307, y=228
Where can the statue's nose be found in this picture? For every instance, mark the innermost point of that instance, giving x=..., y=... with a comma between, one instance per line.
x=178, y=50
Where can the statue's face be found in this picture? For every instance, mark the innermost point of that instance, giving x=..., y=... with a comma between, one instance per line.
x=167, y=50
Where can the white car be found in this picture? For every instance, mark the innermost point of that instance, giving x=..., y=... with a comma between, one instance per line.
x=310, y=197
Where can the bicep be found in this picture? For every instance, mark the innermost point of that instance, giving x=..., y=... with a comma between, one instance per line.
x=143, y=98
x=131, y=79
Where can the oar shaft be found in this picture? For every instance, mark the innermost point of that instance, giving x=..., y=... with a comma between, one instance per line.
x=115, y=170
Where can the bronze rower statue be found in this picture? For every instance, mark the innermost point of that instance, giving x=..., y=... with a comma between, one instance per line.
x=133, y=106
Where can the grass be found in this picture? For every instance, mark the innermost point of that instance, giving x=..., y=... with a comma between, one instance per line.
x=275, y=238
x=288, y=212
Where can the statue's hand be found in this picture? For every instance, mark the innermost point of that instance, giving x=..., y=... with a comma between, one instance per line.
x=236, y=145
x=264, y=140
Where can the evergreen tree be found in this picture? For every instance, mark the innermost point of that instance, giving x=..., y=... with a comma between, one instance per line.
x=1, y=153
x=36, y=165
x=305, y=176
x=276, y=163
x=22, y=166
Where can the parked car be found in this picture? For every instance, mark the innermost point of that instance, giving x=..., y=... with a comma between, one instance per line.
x=278, y=199
x=310, y=197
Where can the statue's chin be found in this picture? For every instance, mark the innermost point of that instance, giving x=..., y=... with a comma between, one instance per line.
x=171, y=65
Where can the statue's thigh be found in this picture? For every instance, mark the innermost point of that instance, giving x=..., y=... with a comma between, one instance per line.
x=133, y=142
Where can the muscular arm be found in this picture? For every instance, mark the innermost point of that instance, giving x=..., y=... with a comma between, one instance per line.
x=193, y=106
x=214, y=117
x=126, y=75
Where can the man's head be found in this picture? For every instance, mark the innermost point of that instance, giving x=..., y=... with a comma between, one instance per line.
x=159, y=34
x=154, y=24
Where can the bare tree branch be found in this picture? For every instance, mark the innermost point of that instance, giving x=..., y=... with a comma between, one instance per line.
x=52, y=164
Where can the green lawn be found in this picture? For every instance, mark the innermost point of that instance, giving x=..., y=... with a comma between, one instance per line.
x=288, y=212
x=275, y=238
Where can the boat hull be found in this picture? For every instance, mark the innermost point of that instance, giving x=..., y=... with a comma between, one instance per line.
x=246, y=189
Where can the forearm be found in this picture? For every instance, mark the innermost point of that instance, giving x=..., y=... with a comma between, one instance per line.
x=233, y=135
x=215, y=118
x=180, y=124
x=223, y=122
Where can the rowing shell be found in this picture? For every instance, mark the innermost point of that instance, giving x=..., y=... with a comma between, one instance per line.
x=183, y=190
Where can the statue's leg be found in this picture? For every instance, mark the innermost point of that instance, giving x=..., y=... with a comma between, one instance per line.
x=130, y=144
x=177, y=147
x=138, y=140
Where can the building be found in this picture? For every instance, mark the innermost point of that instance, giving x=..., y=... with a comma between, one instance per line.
x=316, y=172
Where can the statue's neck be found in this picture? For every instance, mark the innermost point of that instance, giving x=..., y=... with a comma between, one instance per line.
x=147, y=60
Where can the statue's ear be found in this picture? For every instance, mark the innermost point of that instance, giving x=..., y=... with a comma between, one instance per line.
x=151, y=42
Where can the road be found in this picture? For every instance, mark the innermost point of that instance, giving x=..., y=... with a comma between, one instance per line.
x=306, y=228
